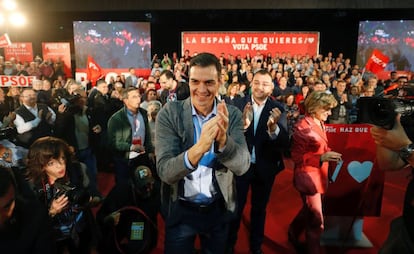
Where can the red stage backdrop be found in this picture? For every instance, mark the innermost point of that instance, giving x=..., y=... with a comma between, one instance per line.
x=22, y=51
x=58, y=52
x=357, y=185
x=236, y=43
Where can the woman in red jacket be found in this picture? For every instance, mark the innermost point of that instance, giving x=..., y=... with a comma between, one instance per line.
x=311, y=154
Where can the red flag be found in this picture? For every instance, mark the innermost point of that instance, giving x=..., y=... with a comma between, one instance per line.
x=377, y=62
x=4, y=41
x=93, y=70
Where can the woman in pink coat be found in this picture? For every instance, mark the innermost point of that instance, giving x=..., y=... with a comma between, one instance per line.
x=311, y=155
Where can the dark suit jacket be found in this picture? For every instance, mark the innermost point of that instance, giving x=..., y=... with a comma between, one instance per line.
x=182, y=91
x=335, y=110
x=269, y=159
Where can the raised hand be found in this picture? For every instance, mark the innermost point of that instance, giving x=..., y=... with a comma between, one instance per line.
x=274, y=117
x=247, y=115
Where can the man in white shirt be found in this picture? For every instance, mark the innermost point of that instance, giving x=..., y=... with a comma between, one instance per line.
x=33, y=120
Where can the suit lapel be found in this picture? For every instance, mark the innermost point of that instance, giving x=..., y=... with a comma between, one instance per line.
x=187, y=118
x=264, y=116
x=317, y=129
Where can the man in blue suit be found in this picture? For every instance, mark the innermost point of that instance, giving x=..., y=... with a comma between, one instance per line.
x=267, y=137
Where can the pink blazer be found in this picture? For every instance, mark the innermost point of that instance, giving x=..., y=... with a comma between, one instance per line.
x=309, y=143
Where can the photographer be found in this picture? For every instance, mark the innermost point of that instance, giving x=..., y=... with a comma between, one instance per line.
x=74, y=125
x=59, y=184
x=395, y=150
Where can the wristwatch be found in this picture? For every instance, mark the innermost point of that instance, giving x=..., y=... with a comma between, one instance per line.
x=406, y=152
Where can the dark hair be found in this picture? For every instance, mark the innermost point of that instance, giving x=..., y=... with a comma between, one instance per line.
x=41, y=152
x=6, y=179
x=101, y=81
x=263, y=72
x=168, y=74
x=205, y=60
x=150, y=90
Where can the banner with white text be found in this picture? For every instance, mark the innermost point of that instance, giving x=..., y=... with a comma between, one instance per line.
x=241, y=43
x=356, y=183
x=21, y=51
x=59, y=52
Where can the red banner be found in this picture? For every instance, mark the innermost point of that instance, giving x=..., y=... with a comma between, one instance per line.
x=21, y=51
x=58, y=52
x=236, y=43
x=356, y=183
x=377, y=62
x=19, y=81
x=4, y=41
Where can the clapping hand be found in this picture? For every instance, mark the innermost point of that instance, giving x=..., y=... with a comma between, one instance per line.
x=247, y=115
x=274, y=117
x=223, y=124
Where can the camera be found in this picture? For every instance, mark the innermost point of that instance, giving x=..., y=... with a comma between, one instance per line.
x=67, y=100
x=382, y=111
x=8, y=133
x=75, y=195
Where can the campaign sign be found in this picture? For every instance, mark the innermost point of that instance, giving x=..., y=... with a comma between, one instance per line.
x=241, y=43
x=58, y=52
x=356, y=183
x=21, y=51
x=19, y=81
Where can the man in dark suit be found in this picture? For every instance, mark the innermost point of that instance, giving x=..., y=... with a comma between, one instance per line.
x=173, y=90
x=267, y=137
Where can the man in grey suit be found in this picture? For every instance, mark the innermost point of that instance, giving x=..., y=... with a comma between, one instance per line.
x=200, y=147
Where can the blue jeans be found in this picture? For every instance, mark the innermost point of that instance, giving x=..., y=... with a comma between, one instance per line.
x=211, y=229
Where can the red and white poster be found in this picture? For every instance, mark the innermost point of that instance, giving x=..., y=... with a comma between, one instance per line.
x=58, y=52
x=4, y=41
x=21, y=51
x=235, y=43
x=356, y=184
x=19, y=81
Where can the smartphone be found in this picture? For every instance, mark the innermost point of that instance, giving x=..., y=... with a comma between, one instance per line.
x=137, y=230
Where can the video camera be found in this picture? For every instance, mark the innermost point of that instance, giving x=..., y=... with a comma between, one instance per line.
x=75, y=195
x=382, y=111
x=68, y=100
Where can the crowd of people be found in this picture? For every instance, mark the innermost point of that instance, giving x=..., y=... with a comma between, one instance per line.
x=188, y=142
